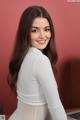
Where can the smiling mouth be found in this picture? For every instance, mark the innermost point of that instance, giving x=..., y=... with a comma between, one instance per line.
x=41, y=41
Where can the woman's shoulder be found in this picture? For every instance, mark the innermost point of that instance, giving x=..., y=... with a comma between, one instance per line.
x=38, y=55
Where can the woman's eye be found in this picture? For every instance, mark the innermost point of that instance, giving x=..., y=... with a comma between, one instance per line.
x=47, y=29
x=33, y=30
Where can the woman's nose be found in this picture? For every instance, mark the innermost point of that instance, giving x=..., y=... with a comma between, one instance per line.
x=42, y=34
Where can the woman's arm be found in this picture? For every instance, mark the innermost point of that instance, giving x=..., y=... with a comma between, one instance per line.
x=48, y=85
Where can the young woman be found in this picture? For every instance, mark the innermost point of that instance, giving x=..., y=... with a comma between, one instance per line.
x=32, y=68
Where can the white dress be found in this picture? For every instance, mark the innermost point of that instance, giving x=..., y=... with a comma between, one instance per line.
x=37, y=92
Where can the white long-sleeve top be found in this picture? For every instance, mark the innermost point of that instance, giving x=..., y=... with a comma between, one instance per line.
x=36, y=84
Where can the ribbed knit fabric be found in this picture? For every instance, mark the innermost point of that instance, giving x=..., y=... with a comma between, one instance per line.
x=36, y=86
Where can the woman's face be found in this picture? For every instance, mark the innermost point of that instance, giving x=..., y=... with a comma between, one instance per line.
x=40, y=33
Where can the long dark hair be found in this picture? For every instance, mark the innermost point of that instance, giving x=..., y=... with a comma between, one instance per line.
x=23, y=42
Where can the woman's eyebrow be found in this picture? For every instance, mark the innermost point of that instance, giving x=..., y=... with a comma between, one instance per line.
x=47, y=26
x=35, y=27
x=39, y=27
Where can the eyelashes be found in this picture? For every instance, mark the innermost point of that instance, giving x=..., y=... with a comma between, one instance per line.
x=37, y=30
x=33, y=30
x=48, y=29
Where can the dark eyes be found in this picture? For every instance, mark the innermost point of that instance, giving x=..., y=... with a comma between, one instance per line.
x=48, y=29
x=36, y=30
x=33, y=30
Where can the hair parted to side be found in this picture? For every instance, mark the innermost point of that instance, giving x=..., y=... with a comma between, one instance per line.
x=23, y=42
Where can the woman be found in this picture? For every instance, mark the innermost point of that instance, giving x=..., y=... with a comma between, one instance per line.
x=31, y=73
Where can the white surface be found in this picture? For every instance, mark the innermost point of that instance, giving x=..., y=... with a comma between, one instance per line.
x=73, y=112
x=69, y=118
x=2, y=117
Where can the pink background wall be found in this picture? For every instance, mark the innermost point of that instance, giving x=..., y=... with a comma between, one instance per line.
x=66, y=19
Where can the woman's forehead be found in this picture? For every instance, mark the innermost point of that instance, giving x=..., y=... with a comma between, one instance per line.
x=40, y=21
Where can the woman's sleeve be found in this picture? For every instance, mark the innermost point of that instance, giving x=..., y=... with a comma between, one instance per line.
x=48, y=85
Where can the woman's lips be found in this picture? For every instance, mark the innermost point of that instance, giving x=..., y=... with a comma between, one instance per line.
x=41, y=41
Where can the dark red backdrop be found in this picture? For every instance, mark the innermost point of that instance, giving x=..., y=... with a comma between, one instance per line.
x=66, y=19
